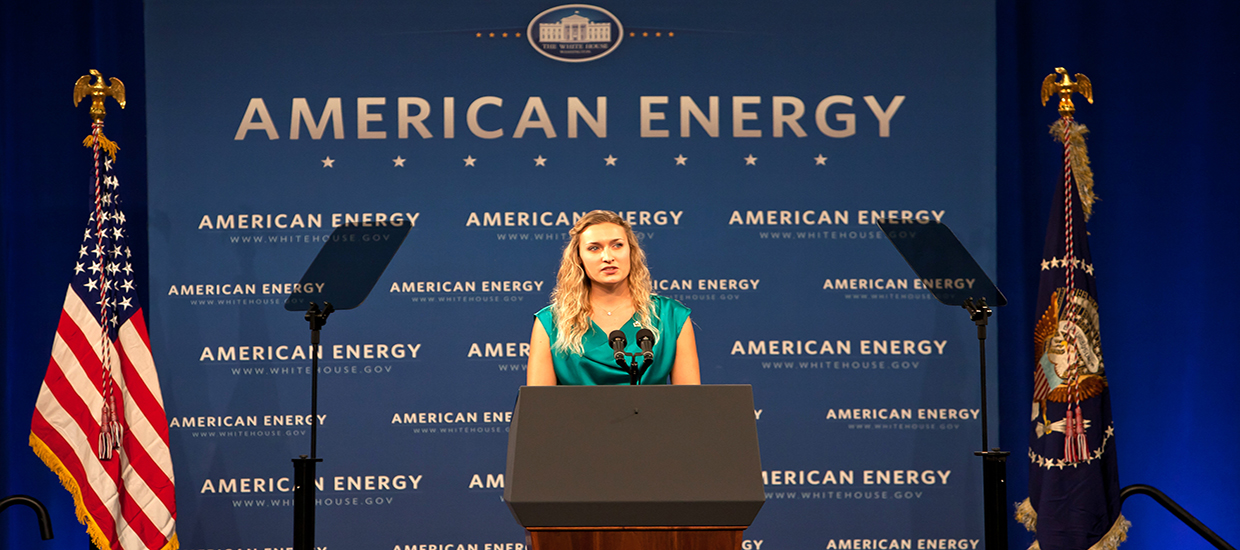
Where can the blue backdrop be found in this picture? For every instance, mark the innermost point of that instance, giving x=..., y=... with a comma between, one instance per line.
x=1153, y=171
x=750, y=154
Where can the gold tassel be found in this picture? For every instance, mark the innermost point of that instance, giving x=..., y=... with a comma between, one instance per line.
x=111, y=147
x=1078, y=156
x=1110, y=541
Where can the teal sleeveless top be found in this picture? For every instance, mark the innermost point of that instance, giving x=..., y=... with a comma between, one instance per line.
x=597, y=366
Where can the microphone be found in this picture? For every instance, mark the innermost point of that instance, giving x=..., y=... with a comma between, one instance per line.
x=645, y=340
x=618, y=340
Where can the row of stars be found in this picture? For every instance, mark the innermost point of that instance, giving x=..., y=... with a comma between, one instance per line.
x=126, y=302
x=80, y=267
x=99, y=250
x=127, y=285
x=1077, y=263
x=1048, y=463
x=609, y=160
x=119, y=216
x=116, y=231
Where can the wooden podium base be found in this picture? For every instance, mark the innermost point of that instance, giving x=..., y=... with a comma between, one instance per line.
x=634, y=538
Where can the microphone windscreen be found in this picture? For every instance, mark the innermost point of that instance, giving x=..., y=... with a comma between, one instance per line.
x=645, y=338
x=617, y=340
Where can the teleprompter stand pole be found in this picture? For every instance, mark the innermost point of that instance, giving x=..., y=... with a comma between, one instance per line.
x=994, y=461
x=303, y=467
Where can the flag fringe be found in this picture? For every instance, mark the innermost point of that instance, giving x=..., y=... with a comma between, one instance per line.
x=49, y=458
x=1110, y=541
x=1026, y=515
x=92, y=529
x=1079, y=158
x=1116, y=534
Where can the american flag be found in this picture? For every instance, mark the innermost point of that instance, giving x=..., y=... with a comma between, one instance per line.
x=99, y=421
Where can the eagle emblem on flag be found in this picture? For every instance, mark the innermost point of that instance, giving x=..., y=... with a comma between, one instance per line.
x=1069, y=354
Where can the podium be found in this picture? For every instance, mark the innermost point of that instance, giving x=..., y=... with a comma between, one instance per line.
x=634, y=467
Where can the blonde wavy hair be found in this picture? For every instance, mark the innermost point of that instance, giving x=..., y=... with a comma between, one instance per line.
x=570, y=301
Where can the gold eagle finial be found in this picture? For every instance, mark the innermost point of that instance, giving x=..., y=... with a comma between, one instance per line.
x=97, y=92
x=1064, y=86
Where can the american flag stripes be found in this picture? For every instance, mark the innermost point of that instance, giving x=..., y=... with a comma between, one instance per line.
x=99, y=420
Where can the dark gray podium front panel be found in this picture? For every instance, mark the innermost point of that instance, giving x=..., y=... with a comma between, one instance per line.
x=634, y=456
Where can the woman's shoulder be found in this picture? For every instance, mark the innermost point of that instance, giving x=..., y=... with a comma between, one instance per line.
x=544, y=313
x=663, y=304
x=546, y=318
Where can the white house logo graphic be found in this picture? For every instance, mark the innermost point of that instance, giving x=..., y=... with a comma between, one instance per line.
x=575, y=33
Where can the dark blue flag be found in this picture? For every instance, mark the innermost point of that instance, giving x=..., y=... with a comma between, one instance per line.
x=1073, y=483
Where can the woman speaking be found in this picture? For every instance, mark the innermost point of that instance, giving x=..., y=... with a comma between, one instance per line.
x=603, y=285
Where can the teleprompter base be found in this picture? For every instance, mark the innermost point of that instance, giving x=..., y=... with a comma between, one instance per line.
x=634, y=538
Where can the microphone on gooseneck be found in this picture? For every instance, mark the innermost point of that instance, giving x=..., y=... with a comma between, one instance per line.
x=618, y=340
x=645, y=340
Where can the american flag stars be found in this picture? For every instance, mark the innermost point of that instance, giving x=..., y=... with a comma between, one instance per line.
x=103, y=269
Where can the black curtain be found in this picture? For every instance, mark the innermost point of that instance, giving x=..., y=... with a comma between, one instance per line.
x=1163, y=238
x=45, y=197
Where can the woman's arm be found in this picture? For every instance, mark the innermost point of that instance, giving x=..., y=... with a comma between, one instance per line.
x=538, y=370
x=685, y=368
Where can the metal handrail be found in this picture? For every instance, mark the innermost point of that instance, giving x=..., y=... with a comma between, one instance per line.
x=45, y=520
x=1177, y=511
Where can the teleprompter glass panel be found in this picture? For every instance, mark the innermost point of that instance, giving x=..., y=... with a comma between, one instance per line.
x=941, y=262
x=348, y=266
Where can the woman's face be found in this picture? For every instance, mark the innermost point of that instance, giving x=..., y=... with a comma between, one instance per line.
x=604, y=251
